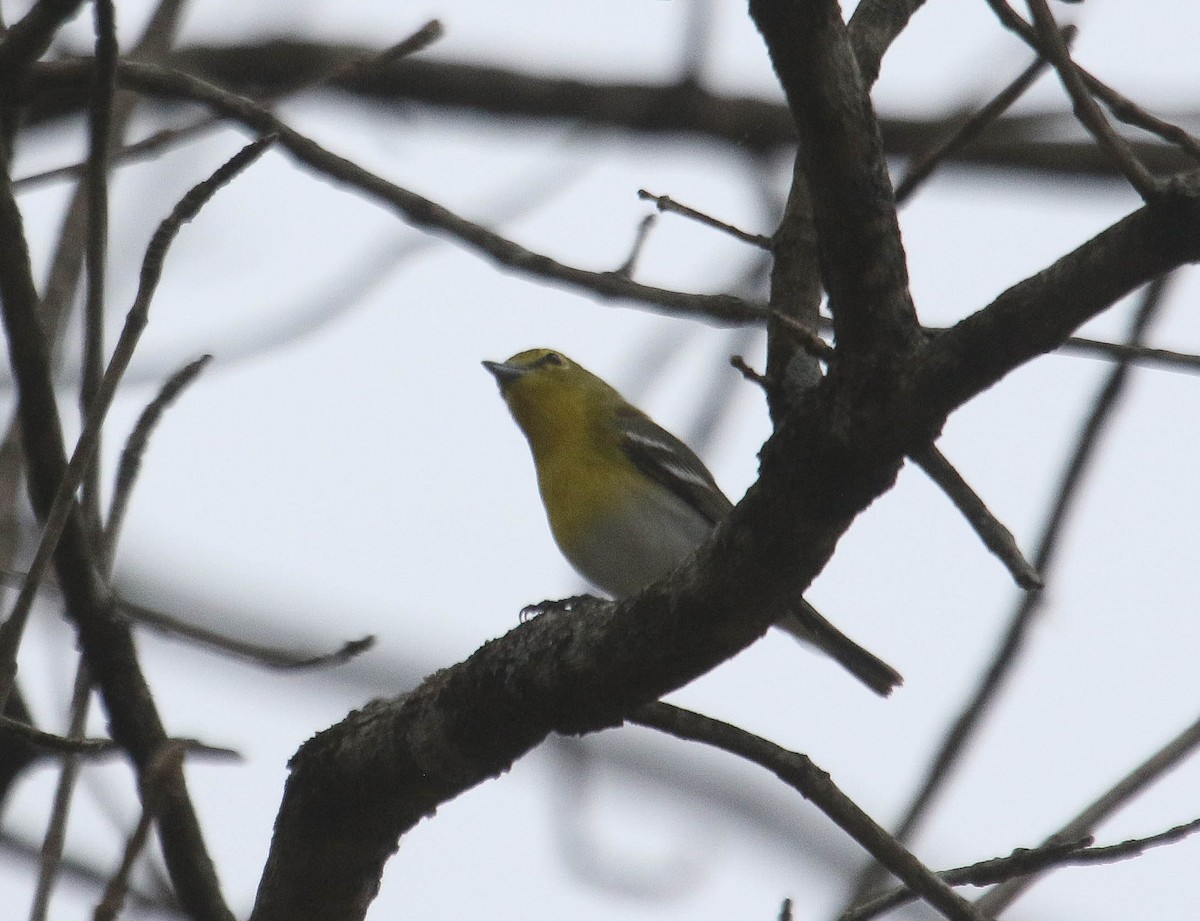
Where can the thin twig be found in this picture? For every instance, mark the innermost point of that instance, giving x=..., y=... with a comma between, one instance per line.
x=995, y=536
x=813, y=344
x=1137, y=354
x=281, y=660
x=91, y=204
x=56, y=744
x=666, y=203
x=100, y=111
x=1135, y=847
x=175, y=627
x=75, y=869
x=56, y=828
x=359, y=66
x=920, y=168
x=1086, y=109
x=428, y=215
x=815, y=785
x=755, y=377
x=12, y=629
x=1134, y=354
x=66, y=263
x=1120, y=794
x=146, y=148
x=1024, y=862
x=983, y=873
x=645, y=225
x=64, y=745
x=155, y=786
x=362, y=64
x=135, y=448
x=1121, y=107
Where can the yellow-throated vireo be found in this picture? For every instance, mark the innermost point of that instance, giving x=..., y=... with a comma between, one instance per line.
x=626, y=499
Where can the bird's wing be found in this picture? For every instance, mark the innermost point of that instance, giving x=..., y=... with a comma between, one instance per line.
x=669, y=462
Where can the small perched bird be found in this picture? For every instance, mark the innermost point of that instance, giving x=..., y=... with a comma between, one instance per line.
x=627, y=500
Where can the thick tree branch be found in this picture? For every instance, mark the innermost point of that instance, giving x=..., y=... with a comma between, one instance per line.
x=858, y=238
x=357, y=786
x=1037, y=314
x=872, y=29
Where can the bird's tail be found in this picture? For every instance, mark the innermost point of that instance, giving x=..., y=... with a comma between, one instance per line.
x=806, y=623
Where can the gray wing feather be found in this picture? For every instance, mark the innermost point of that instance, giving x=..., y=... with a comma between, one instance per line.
x=669, y=462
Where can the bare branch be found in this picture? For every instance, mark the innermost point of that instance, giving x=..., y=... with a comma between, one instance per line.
x=995, y=536
x=645, y=225
x=666, y=203
x=863, y=265
x=135, y=448
x=1019, y=325
x=921, y=167
x=816, y=786
x=1135, y=847
x=754, y=126
x=1086, y=110
x=1024, y=862
x=100, y=112
x=156, y=786
x=60, y=810
x=279, y=659
x=59, y=745
x=29, y=38
x=1123, y=108
x=984, y=873
x=1135, y=782
x=66, y=262
x=64, y=745
x=1139, y=355
x=423, y=213
x=873, y=27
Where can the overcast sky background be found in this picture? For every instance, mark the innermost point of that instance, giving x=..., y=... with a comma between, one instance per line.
x=346, y=467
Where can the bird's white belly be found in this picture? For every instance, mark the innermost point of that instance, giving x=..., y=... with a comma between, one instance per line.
x=637, y=544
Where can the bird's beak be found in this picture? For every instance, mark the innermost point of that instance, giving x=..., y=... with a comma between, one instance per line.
x=504, y=374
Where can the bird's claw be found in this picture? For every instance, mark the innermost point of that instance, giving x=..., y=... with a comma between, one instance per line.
x=529, y=612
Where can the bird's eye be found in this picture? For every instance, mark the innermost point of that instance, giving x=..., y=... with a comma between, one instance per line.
x=552, y=358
